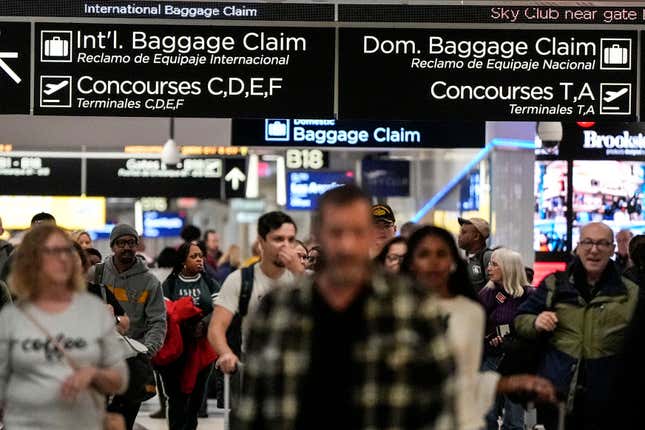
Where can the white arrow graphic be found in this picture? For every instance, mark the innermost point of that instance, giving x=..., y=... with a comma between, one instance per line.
x=4, y=66
x=235, y=176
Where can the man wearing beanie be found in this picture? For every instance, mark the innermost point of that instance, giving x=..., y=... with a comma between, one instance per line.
x=139, y=293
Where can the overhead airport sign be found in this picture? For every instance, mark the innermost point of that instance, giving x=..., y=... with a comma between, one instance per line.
x=193, y=71
x=199, y=10
x=494, y=14
x=31, y=176
x=487, y=74
x=136, y=177
x=15, y=76
x=360, y=134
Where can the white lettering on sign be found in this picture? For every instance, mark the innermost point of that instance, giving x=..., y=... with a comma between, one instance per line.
x=372, y=44
x=189, y=168
x=593, y=140
x=182, y=44
x=477, y=49
x=88, y=85
x=25, y=166
x=572, y=47
x=442, y=90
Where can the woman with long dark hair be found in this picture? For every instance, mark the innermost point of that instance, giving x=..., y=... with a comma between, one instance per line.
x=188, y=279
x=434, y=261
x=392, y=254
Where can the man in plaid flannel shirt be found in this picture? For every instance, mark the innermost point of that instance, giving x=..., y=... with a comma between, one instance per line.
x=351, y=348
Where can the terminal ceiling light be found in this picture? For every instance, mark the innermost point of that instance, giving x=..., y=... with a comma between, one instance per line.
x=170, y=154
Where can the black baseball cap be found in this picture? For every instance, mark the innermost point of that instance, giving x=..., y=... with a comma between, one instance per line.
x=382, y=212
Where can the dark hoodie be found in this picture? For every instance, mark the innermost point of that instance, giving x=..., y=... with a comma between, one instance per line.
x=140, y=294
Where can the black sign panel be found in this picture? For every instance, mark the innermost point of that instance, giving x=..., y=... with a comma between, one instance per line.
x=330, y=133
x=487, y=74
x=36, y=176
x=194, y=71
x=135, y=177
x=522, y=14
x=170, y=10
x=15, y=76
x=235, y=178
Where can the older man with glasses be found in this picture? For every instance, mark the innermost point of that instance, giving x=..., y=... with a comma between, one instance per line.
x=139, y=293
x=582, y=315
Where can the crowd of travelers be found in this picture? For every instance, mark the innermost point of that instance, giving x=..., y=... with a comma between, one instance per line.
x=356, y=325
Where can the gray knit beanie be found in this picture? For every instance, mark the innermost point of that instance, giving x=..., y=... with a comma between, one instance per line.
x=123, y=230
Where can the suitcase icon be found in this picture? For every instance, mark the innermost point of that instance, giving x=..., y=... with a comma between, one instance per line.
x=56, y=47
x=615, y=55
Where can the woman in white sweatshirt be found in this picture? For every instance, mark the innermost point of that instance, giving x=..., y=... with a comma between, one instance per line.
x=39, y=387
x=434, y=261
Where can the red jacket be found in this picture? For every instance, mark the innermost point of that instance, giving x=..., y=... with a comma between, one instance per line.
x=199, y=353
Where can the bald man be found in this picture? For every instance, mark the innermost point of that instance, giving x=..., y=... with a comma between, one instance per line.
x=581, y=315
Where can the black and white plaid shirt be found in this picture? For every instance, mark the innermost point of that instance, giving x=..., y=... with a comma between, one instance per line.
x=407, y=368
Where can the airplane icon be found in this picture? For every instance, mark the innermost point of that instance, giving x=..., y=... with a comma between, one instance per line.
x=52, y=88
x=610, y=96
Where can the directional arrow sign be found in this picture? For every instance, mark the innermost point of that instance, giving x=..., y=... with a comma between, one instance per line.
x=15, y=74
x=235, y=176
x=235, y=180
x=4, y=66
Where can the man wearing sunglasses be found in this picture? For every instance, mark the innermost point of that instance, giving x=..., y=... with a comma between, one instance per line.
x=139, y=293
x=582, y=315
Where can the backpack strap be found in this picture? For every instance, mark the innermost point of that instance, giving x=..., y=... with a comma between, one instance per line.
x=103, y=293
x=246, y=290
x=486, y=259
x=551, y=283
x=99, y=270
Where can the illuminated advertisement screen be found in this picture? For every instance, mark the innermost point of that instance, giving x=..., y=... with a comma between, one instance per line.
x=550, y=225
x=608, y=191
x=305, y=187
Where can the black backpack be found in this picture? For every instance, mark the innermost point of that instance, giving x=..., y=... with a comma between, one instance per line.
x=234, y=332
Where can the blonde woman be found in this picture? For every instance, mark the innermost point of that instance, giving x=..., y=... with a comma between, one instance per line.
x=82, y=238
x=228, y=263
x=39, y=388
x=502, y=296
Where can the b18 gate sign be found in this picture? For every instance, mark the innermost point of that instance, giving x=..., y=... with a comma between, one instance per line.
x=197, y=71
x=487, y=74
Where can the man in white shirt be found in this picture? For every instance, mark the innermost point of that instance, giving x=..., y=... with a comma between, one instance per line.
x=279, y=266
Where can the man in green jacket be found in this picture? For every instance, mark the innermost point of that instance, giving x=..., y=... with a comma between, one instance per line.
x=582, y=314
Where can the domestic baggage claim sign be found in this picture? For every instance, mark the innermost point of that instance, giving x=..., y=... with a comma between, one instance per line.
x=487, y=74
x=195, y=71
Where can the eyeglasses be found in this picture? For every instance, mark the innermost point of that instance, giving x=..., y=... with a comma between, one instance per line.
x=394, y=258
x=58, y=251
x=601, y=244
x=122, y=243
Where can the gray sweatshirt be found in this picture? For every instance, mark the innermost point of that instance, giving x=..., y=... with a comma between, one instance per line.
x=140, y=294
x=32, y=370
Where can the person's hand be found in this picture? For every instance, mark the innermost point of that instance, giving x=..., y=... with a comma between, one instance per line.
x=532, y=387
x=496, y=341
x=546, y=321
x=227, y=363
x=291, y=260
x=80, y=381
